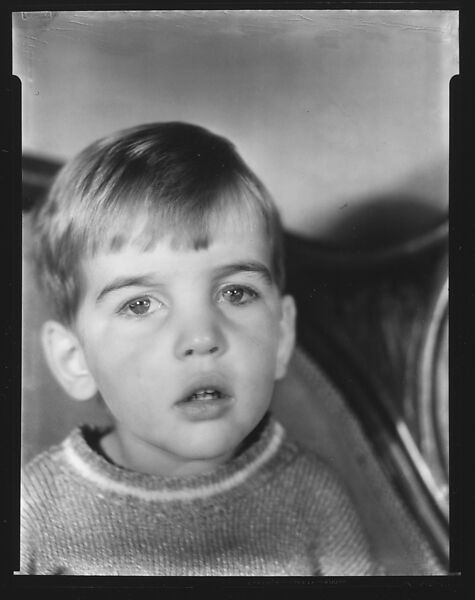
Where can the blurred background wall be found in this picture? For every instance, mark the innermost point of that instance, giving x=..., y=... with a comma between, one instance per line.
x=332, y=108
x=343, y=114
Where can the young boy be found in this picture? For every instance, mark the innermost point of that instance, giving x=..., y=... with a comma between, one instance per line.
x=162, y=253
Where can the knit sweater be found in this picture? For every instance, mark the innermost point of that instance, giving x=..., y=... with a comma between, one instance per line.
x=275, y=509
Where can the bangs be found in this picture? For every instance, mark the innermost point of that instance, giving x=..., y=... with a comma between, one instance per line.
x=189, y=222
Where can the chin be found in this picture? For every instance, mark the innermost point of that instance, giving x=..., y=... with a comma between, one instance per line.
x=212, y=445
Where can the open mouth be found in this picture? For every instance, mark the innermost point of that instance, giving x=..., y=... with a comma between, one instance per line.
x=204, y=395
x=207, y=397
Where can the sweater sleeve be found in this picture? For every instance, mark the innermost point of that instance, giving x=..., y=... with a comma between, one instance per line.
x=29, y=532
x=37, y=513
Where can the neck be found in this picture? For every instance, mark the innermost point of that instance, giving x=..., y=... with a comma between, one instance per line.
x=115, y=448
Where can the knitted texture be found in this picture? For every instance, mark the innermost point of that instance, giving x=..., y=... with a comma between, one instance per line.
x=276, y=509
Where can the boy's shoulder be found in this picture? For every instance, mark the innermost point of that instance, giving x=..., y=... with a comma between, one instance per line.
x=43, y=468
x=45, y=481
x=49, y=469
x=311, y=469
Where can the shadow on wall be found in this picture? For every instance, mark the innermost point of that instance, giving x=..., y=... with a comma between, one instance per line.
x=382, y=222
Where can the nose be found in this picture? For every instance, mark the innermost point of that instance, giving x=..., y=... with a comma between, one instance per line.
x=200, y=336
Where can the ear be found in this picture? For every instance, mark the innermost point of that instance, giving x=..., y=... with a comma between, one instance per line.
x=66, y=360
x=287, y=336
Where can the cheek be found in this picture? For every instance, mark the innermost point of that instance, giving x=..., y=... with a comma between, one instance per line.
x=263, y=329
x=258, y=343
x=122, y=377
x=117, y=365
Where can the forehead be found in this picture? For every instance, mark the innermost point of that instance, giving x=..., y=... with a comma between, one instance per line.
x=230, y=240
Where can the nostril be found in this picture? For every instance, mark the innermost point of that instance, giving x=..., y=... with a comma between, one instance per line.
x=191, y=351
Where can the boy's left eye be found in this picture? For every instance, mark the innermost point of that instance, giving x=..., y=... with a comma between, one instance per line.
x=238, y=295
x=139, y=307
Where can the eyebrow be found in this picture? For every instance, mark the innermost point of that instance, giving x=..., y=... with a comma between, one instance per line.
x=118, y=283
x=246, y=267
x=149, y=279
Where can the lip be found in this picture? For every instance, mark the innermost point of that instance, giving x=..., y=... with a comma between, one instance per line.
x=205, y=408
x=203, y=381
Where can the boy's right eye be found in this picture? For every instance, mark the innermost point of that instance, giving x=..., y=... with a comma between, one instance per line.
x=138, y=307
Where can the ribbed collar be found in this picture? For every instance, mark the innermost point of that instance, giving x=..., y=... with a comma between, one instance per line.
x=90, y=465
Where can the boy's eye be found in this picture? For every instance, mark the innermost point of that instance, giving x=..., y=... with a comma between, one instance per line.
x=238, y=295
x=139, y=307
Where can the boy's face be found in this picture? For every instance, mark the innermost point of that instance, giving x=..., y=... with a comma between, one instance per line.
x=184, y=346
